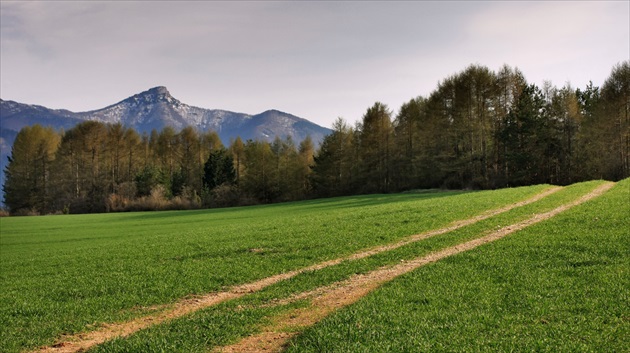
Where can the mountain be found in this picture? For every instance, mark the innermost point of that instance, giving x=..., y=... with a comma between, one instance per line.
x=156, y=109
x=14, y=116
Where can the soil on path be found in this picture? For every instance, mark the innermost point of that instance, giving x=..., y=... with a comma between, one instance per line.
x=275, y=337
x=84, y=341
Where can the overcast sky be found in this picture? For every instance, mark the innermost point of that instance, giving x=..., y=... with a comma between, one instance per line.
x=318, y=60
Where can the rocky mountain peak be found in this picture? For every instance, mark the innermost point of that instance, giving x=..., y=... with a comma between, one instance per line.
x=153, y=95
x=159, y=91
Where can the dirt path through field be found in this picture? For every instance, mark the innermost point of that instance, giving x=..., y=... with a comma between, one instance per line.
x=83, y=341
x=325, y=301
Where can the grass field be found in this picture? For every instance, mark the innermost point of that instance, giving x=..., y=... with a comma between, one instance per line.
x=559, y=286
x=68, y=274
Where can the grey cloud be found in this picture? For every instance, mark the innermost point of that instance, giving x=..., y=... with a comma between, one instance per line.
x=315, y=59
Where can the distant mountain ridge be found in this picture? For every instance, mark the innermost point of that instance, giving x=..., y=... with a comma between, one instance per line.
x=156, y=108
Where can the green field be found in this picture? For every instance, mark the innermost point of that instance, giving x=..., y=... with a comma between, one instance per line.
x=67, y=274
x=559, y=286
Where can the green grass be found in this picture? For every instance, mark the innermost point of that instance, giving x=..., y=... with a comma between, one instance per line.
x=193, y=334
x=557, y=286
x=67, y=274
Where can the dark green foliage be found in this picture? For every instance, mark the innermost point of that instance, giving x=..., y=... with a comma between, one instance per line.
x=376, y=149
x=615, y=106
x=218, y=169
x=150, y=177
x=335, y=165
x=525, y=138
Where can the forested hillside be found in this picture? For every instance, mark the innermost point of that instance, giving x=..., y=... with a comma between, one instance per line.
x=479, y=129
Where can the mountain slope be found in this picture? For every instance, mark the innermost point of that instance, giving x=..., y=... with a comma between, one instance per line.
x=156, y=109
x=14, y=116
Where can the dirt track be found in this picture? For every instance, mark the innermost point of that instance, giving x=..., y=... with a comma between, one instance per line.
x=274, y=337
x=325, y=299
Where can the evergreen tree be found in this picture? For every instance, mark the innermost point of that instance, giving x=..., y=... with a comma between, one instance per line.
x=564, y=112
x=335, y=166
x=406, y=144
x=527, y=140
x=376, y=149
x=590, y=133
x=615, y=122
x=218, y=169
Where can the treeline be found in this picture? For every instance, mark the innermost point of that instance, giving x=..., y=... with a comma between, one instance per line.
x=483, y=130
x=96, y=167
x=479, y=129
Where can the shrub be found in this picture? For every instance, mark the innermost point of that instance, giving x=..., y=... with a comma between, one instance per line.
x=26, y=212
x=224, y=195
x=116, y=203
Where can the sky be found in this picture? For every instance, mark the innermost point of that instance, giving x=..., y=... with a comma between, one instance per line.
x=319, y=60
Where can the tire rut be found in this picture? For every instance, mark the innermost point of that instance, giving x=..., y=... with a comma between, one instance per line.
x=86, y=340
x=324, y=301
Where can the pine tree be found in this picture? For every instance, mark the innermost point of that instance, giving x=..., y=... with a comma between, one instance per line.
x=335, y=163
x=376, y=148
x=615, y=116
x=218, y=169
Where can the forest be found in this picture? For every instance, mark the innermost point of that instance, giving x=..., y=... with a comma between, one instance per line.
x=479, y=129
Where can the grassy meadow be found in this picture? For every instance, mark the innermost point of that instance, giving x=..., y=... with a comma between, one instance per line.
x=562, y=285
x=68, y=274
